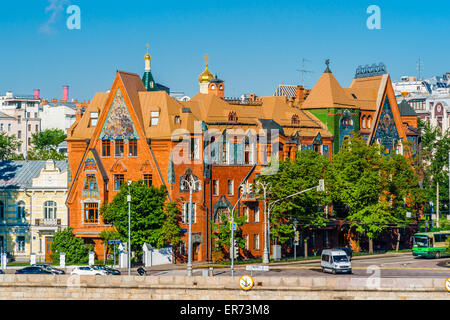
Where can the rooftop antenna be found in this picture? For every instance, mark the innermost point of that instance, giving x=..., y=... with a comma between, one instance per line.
x=419, y=67
x=303, y=71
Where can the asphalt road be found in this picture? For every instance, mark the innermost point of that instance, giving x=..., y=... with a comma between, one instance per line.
x=387, y=267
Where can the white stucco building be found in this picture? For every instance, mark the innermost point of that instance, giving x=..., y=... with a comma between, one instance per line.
x=59, y=115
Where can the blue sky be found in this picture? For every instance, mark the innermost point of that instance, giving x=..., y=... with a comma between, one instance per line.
x=253, y=45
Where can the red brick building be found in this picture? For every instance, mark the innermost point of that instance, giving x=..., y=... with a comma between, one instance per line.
x=136, y=132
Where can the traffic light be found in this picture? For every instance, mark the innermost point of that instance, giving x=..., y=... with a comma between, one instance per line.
x=297, y=236
x=234, y=252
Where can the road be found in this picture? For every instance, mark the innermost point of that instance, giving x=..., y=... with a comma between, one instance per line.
x=405, y=266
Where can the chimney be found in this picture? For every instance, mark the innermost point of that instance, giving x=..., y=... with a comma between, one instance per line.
x=66, y=93
x=37, y=93
x=252, y=97
x=300, y=93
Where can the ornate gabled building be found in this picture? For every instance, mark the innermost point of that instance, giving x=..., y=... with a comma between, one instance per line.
x=132, y=133
x=367, y=107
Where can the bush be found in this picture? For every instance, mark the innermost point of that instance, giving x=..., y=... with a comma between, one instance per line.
x=75, y=249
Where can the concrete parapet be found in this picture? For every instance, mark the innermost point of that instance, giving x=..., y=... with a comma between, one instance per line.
x=223, y=288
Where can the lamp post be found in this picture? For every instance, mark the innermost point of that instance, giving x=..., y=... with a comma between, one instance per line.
x=320, y=187
x=129, y=228
x=191, y=184
x=265, y=186
x=244, y=191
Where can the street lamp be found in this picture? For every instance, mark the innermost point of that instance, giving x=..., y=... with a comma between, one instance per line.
x=265, y=186
x=191, y=184
x=129, y=227
x=244, y=191
x=320, y=187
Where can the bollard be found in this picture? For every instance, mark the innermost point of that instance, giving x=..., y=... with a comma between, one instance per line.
x=204, y=272
x=211, y=271
x=4, y=260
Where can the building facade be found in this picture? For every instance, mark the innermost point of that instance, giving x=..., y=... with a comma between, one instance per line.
x=134, y=133
x=32, y=207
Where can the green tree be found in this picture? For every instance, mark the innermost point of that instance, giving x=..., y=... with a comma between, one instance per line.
x=434, y=164
x=9, y=146
x=356, y=182
x=110, y=234
x=221, y=232
x=45, y=144
x=171, y=227
x=48, y=139
x=38, y=154
x=74, y=247
x=308, y=208
x=404, y=193
x=147, y=214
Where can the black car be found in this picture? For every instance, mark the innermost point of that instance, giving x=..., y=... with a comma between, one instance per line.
x=348, y=251
x=33, y=270
x=107, y=269
x=49, y=268
x=2, y=272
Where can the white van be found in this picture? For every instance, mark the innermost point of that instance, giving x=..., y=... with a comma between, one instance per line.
x=335, y=261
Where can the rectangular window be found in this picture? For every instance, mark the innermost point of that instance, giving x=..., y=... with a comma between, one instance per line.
x=19, y=119
x=91, y=212
x=195, y=151
x=37, y=128
x=119, y=148
x=230, y=187
x=35, y=115
x=256, y=242
x=148, y=180
x=19, y=134
x=154, y=118
x=118, y=181
x=246, y=214
x=246, y=242
x=256, y=214
x=132, y=148
x=186, y=213
x=91, y=183
x=106, y=148
x=20, y=242
x=94, y=119
x=29, y=127
x=215, y=187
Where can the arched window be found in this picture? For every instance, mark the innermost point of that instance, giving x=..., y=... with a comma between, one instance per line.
x=295, y=120
x=232, y=116
x=363, y=122
x=50, y=210
x=21, y=210
x=369, y=122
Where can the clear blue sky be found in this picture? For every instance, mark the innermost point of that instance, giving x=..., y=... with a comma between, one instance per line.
x=253, y=45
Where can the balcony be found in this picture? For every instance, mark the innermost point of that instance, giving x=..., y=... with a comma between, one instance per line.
x=47, y=222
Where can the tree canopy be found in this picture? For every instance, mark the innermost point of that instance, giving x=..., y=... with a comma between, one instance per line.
x=9, y=145
x=74, y=247
x=45, y=144
x=148, y=217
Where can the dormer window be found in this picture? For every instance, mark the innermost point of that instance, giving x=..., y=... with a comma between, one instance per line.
x=295, y=120
x=176, y=119
x=213, y=87
x=232, y=117
x=94, y=119
x=154, y=118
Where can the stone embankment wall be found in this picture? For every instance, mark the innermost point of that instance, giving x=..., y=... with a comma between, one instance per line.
x=217, y=288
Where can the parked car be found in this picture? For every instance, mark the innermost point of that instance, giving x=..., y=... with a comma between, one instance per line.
x=334, y=261
x=48, y=268
x=2, y=272
x=109, y=270
x=33, y=270
x=348, y=251
x=86, y=270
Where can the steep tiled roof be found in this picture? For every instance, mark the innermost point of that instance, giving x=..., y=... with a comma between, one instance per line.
x=327, y=93
x=406, y=110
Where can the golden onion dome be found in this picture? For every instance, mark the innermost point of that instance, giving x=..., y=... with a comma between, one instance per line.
x=147, y=56
x=205, y=76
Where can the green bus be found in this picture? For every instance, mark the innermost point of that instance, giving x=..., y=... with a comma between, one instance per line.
x=431, y=244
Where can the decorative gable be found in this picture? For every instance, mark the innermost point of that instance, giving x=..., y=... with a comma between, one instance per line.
x=118, y=124
x=118, y=167
x=386, y=131
x=90, y=164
